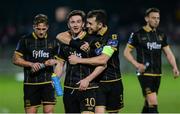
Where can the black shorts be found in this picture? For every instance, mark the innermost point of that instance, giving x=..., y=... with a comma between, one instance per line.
x=110, y=95
x=149, y=84
x=35, y=95
x=76, y=101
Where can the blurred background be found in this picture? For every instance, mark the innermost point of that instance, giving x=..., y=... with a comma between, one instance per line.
x=124, y=17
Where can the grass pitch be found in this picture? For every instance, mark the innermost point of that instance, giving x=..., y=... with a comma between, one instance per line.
x=11, y=95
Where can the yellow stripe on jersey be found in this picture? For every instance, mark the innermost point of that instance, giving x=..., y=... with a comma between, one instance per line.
x=58, y=58
x=130, y=46
x=20, y=54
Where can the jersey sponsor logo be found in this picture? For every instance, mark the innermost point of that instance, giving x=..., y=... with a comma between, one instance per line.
x=98, y=50
x=40, y=53
x=113, y=42
x=153, y=45
x=77, y=54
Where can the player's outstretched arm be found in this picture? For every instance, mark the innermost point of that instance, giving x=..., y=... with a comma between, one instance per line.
x=59, y=68
x=64, y=37
x=102, y=59
x=128, y=55
x=19, y=61
x=170, y=57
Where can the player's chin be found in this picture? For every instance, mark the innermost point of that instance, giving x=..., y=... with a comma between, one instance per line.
x=76, y=31
x=90, y=32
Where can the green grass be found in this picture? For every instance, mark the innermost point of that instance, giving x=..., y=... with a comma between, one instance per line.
x=11, y=95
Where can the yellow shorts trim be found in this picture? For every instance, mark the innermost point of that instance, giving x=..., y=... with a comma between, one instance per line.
x=38, y=83
x=149, y=74
x=36, y=106
x=87, y=112
x=78, y=88
x=110, y=80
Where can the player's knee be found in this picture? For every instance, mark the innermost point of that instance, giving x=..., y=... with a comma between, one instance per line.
x=100, y=109
x=152, y=99
x=31, y=110
x=48, y=110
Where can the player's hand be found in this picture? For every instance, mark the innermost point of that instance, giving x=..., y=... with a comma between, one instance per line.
x=36, y=67
x=64, y=37
x=50, y=62
x=83, y=84
x=73, y=59
x=85, y=47
x=176, y=73
x=81, y=35
x=140, y=67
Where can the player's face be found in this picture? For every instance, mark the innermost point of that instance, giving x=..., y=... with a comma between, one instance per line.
x=92, y=25
x=40, y=29
x=76, y=24
x=153, y=19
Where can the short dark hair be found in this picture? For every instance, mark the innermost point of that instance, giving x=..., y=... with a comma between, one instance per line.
x=40, y=18
x=149, y=10
x=76, y=12
x=100, y=15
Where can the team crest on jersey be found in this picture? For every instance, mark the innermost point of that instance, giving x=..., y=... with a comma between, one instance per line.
x=98, y=45
x=160, y=38
x=50, y=46
x=114, y=36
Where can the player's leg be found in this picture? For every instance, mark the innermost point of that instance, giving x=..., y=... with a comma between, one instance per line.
x=145, y=107
x=70, y=100
x=88, y=101
x=30, y=110
x=100, y=99
x=48, y=98
x=114, y=97
x=31, y=98
x=152, y=97
x=149, y=89
x=152, y=102
x=48, y=108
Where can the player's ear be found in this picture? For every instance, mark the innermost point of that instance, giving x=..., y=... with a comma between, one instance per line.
x=83, y=25
x=100, y=25
x=68, y=25
x=34, y=26
x=146, y=18
x=47, y=26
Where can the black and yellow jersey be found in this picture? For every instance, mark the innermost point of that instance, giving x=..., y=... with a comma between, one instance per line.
x=35, y=49
x=107, y=38
x=149, y=45
x=75, y=73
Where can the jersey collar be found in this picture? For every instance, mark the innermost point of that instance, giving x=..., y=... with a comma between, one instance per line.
x=103, y=31
x=36, y=37
x=148, y=28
